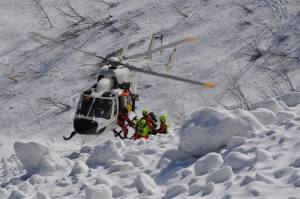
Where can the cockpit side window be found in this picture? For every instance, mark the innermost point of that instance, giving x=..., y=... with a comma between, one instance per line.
x=84, y=105
x=103, y=108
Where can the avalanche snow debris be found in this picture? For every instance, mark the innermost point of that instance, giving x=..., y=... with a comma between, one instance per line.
x=136, y=160
x=103, y=153
x=117, y=191
x=291, y=99
x=98, y=191
x=41, y=195
x=37, y=158
x=174, y=191
x=79, y=168
x=236, y=141
x=220, y=175
x=265, y=116
x=284, y=116
x=145, y=184
x=210, y=129
x=237, y=161
x=272, y=104
x=207, y=163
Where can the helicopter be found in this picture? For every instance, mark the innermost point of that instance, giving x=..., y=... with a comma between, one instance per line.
x=99, y=106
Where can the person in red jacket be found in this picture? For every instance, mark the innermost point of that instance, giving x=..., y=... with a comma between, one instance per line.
x=124, y=122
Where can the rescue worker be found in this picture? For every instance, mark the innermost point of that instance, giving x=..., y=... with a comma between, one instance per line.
x=149, y=120
x=163, y=128
x=124, y=122
x=142, y=130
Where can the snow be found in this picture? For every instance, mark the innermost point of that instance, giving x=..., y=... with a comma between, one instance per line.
x=102, y=154
x=238, y=161
x=290, y=99
x=37, y=158
x=265, y=116
x=217, y=152
x=79, y=168
x=98, y=191
x=174, y=191
x=272, y=104
x=208, y=162
x=220, y=175
x=210, y=129
x=145, y=184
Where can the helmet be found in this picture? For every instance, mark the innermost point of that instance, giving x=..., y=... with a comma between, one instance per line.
x=162, y=118
x=144, y=112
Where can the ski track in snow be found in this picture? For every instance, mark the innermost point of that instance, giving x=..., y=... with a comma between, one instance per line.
x=259, y=159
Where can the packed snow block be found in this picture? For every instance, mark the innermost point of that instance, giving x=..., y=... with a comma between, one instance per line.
x=296, y=163
x=237, y=161
x=272, y=104
x=41, y=195
x=120, y=166
x=117, y=191
x=103, y=180
x=262, y=155
x=37, y=158
x=35, y=179
x=136, y=160
x=290, y=99
x=220, y=175
x=103, y=153
x=195, y=188
x=208, y=189
x=207, y=163
x=209, y=129
x=174, y=191
x=284, y=116
x=145, y=184
x=236, y=141
x=98, y=191
x=16, y=194
x=265, y=116
x=79, y=168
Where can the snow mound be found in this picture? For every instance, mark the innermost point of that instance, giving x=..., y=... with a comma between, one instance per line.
x=37, y=158
x=98, y=191
x=284, y=116
x=79, y=168
x=145, y=184
x=272, y=104
x=175, y=190
x=265, y=116
x=238, y=161
x=290, y=99
x=103, y=153
x=236, y=141
x=221, y=175
x=208, y=162
x=209, y=129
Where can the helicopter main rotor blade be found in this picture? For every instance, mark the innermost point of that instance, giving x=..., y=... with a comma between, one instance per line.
x=68, y=46
x=190, y=39
x=130, y=67
x=204, y=84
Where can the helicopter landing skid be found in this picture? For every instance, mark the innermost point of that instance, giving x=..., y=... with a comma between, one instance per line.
x=118, y=134
x=70, y=137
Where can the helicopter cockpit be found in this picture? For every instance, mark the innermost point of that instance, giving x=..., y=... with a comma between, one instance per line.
x=95, y=111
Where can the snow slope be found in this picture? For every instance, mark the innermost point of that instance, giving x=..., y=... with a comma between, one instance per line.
x=263, y=162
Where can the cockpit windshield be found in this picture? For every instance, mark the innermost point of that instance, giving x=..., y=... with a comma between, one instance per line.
x=95, y=107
